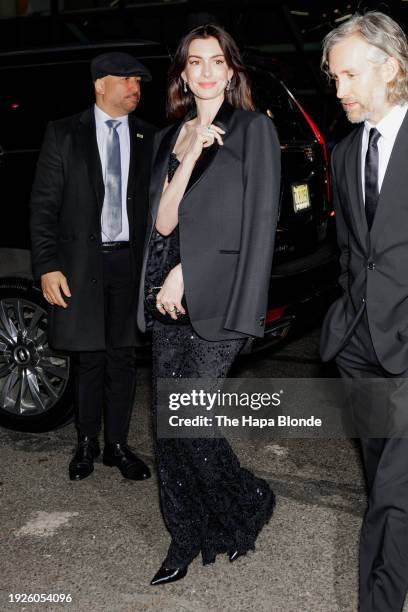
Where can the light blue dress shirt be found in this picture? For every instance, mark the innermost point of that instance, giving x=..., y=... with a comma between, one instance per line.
x=124, y=139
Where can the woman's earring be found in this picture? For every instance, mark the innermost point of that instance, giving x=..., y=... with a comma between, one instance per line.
x=185, y=87
x=228, y=87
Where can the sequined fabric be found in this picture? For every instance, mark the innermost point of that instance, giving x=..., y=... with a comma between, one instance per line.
x=210, y=504
x=164, y=251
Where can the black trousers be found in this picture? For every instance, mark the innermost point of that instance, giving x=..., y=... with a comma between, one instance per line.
x=384, y=534
x=105, y=380
x=210, y=504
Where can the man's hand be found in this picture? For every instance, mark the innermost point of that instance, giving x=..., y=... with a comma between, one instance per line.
x=54, y=285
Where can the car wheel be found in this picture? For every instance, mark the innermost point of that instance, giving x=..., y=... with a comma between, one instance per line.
x=35, y=380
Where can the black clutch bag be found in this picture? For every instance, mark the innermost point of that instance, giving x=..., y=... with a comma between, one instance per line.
x=150, y=305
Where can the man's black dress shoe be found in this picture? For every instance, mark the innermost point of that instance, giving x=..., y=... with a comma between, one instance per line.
x=164, y=575
x=81, y=464
x=129, y=464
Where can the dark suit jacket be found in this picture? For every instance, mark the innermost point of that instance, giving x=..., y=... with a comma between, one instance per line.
x=374, y=265
x=227, y=221
x=66, y=206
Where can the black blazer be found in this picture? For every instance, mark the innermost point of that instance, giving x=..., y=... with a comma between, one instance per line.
x=227, y=222
x=66, y=204
x=374, y=265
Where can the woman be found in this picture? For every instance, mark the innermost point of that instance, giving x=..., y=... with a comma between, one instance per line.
x=214, y=205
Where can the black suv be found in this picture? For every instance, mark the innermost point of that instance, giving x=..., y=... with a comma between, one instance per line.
x=37, y=86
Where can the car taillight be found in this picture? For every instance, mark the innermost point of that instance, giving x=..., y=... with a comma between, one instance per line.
x=274, y=314
x=320, y=139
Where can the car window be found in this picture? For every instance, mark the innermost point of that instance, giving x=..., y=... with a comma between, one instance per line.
x=272, y=98
x=32, y=95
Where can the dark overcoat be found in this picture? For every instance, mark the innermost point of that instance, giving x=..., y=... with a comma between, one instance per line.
x=227, y=223
x=374, y=264
x=66, y=204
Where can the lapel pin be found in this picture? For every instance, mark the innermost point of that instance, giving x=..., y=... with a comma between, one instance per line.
x=139, y=135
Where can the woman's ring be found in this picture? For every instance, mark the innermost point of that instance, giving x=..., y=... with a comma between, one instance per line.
x=159, y=305
x=172, y=309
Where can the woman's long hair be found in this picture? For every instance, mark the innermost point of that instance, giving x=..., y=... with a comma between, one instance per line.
x=239, y=95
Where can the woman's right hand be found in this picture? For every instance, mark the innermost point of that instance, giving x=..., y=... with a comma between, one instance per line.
x=200, y=138
x=168, y=300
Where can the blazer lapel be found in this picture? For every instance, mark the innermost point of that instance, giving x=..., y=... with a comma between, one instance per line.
x=91, y=153
x=136, y=146
x=353, y=180
x=160, y=166
x=135, y=167
x=393, y=177
x=222, y=120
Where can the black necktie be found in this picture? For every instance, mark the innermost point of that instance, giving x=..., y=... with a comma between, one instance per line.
x=371, y=176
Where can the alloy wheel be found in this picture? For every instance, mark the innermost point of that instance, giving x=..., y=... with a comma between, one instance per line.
x=33, y=377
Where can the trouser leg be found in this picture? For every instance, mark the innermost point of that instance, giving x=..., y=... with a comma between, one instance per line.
x=119, y=388
x=120, y=371
x=383, y=567
x=89, y=377
x=384, y=534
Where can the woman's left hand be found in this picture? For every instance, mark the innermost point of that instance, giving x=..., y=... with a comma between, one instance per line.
x=168, y=300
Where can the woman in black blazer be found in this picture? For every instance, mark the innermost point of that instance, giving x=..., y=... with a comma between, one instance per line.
x=214, y=207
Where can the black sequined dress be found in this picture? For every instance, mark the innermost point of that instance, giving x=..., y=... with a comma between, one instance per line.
x=210, y=504
x=164, y=251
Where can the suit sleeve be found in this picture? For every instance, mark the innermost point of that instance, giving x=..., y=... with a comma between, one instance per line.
x=341, y=231
x=45, y=204
x=261, y=174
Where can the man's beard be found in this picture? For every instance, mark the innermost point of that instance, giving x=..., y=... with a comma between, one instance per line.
x=366, y=111
x=358, y=116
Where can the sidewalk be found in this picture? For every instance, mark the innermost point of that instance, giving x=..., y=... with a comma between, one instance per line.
x=102, y=539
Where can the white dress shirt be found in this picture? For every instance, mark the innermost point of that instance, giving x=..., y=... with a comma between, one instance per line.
x=124, y=140
x=388, y=127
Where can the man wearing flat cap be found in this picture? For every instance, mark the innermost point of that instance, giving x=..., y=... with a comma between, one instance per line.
x=88, y=214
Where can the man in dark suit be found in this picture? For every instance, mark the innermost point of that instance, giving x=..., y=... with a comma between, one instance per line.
x=88, y=216
x=366, y=330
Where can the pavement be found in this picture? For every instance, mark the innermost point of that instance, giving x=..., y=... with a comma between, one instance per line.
x=102, y=539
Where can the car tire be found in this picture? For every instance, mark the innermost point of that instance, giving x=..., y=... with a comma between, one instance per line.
x=35, y=381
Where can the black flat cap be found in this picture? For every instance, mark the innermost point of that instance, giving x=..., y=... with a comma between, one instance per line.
x=117, y=63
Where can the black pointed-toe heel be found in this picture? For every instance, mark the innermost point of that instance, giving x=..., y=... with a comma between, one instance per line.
x=165, y=575
x=233, y=555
